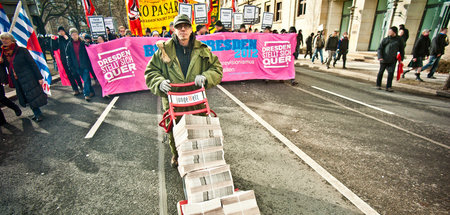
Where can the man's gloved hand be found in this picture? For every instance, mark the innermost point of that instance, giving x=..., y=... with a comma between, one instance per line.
x=165, y=86
x=200, y=80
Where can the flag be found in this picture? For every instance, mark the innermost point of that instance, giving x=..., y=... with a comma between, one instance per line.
x=26, y=37
x=233, y=5
x=4, y=21
x=400, y=66
x=89, y=9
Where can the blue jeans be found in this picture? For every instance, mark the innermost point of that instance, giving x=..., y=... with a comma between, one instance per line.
x=87, y=89
x=320, y=51
x=433, y=63
x=37, y=111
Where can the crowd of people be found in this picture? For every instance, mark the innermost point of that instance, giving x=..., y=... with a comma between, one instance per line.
x=27, y=79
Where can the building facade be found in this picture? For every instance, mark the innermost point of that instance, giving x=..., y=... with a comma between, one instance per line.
x=366, y=21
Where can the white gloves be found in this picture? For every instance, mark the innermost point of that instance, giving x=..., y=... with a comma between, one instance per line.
x=165, y=86
x=200, y=80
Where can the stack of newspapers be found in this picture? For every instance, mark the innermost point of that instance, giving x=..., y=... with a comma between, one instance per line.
x=207, y=178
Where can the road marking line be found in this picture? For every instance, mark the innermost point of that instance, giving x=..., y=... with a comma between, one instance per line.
x=358, y=202
x=162, y=171
x=353, y=100
x=100, y=120
x=374, y=118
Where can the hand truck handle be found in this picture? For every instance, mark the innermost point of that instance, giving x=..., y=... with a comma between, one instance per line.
x=183, y=85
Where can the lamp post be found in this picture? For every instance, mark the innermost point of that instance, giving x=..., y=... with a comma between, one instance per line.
x=110, y=12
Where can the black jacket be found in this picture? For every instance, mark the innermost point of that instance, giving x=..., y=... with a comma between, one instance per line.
x=438, y=44
x=332, y=43
x=72, y=60
x=61, y=44
x=422, y=47
x=309, y=41
x=29, y=91
x=343, y=45
x=389, y=47
x=299, y=39
x=222, y=30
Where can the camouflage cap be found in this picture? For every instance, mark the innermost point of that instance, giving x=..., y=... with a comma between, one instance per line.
x=181, y=19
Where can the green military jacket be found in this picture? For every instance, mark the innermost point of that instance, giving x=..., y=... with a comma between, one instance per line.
x=165, y=65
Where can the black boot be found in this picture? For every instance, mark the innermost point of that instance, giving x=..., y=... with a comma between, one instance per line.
x=418, y=77
x=404, y=72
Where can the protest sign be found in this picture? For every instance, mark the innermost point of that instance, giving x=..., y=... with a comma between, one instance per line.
x=200, y=14
x=109, y=22
x=154, y=14
x=185, y=9
x=226, y=17
x=97, y=26
x=249, y=14
x=267, y=20
x=238, y=19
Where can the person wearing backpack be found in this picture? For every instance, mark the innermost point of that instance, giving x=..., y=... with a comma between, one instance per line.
x=319, y=44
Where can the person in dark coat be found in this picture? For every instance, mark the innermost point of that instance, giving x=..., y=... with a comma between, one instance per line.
x=299, y=40
x=438, y=45
x=293, y=30
x=309, y=41
x=342, y=50
x=387, y=55
x=3, y=99
x=73, y=77
x=403, y=33
x=25, y=75
x=420, y=51
x=79, y=62
x=220, y=27
x=331, y=46
x=110, y=35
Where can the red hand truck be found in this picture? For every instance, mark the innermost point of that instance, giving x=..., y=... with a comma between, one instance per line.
x=184, y=99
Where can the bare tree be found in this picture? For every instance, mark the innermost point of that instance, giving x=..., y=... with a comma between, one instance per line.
x=75, y=15
x=118, y=10
x=50, y=9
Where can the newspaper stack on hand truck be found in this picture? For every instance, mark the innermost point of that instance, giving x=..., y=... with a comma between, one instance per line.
x=207, y=181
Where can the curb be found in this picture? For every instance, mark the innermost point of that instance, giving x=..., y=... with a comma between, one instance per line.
x=12, y=95
x=369, y=78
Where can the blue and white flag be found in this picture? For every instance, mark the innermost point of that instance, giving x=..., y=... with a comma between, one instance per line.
x=26, y=37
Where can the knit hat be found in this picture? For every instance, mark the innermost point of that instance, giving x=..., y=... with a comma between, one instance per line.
x=73, y=30
x=219, y=23
x=60, y=28
x=87, y=37
x=394, y=29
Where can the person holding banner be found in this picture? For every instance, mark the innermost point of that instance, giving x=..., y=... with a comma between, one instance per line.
x=220, y=27
x=79, y=62
x=182, y=59
x=25, y=75
x=61, y=44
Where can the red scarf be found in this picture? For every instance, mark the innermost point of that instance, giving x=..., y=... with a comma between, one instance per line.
x=9, y=54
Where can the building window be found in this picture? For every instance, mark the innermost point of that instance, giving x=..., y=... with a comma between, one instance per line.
x=301, y=9
x=278, y=12
x=267, y=9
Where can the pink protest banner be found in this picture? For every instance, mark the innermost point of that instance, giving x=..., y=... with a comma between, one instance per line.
x=120, y=64
x=254, y=56
x=62, y=72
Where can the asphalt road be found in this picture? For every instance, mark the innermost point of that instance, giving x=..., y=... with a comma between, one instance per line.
x=397, y=163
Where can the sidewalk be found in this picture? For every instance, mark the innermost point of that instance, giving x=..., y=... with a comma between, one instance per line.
x=368, y=71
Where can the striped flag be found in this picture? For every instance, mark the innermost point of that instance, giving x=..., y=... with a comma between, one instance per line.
x=4, y=21
x=26, y=37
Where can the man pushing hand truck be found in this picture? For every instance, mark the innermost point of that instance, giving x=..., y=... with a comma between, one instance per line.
x=181, y=60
